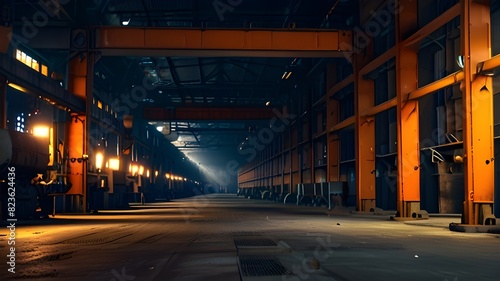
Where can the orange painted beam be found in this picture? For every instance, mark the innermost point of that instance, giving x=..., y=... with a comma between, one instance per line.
x=377, y=62
x=121, y=41
x=430, y=88
x=437, y=85
x=343, y=124
x=492, y=63
x=380, y=108
x=434, y=25
x=408, y=138
x=339, y=86
x=477, y=103
x=210, y=113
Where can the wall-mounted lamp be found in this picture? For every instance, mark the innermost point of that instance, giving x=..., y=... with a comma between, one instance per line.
x=128, y=121
x=135, y=170
x=460, y=61
x=125, y=22
x=114, y=164
x=99, y=160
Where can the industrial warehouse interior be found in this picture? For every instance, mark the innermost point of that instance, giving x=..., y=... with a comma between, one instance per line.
x=246, y=140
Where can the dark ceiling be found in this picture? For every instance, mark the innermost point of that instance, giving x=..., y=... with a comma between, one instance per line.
x=201, y=81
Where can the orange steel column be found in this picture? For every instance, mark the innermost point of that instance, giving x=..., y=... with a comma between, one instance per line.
x=333, y=145
x=5, y=34
x=477, y=101
x=80, y=81
x=5, y=37
x=365, y=138
x=76, y=145
x=332, y=138
x=408, y=138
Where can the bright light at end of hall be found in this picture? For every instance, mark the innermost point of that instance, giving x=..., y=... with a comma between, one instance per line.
x=41, y=131
x=114, y=164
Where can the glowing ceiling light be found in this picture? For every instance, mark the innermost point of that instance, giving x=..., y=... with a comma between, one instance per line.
x=126, y=22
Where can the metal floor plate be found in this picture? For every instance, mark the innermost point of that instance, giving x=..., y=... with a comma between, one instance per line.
x=254, y=242
x=262, y=266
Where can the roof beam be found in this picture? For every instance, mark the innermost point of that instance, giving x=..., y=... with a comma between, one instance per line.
x=127, y=41
x=204, y=113
x=214, y=130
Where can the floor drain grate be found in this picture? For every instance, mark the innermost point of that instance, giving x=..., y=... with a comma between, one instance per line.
x=262, y=266
x=246, y=233
x=254, y=242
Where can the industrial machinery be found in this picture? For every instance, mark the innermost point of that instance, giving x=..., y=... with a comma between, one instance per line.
x=24, y=169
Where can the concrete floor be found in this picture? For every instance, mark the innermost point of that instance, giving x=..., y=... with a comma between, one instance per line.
x=224, y=237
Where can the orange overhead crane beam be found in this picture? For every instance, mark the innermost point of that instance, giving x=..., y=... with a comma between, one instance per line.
x=126, y=41
x=212, y=113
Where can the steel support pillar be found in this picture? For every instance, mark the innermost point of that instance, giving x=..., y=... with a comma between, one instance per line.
x=332, y=138
x=477, y=101
x=333, y=143
x=80, y=82
x=364, y=135
x=5, y=34
x=3, y=102
x=408, y=137
x=5, y=37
